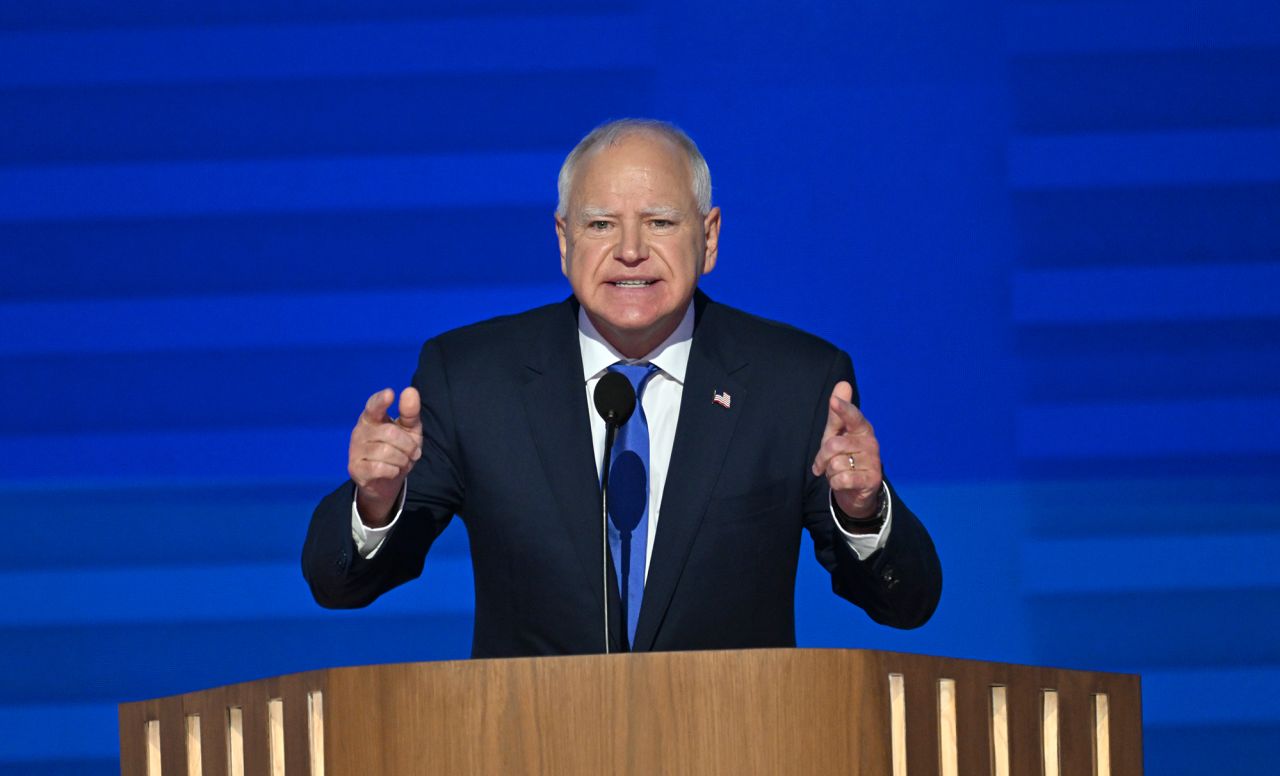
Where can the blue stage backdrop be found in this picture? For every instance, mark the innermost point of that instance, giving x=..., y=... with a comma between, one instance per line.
x=1047, y=232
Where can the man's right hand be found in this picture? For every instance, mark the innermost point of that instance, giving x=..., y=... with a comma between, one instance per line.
x=383, y=451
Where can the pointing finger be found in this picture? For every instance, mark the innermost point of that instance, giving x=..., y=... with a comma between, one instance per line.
x=841, y=393
x=844, y=392
x=375, y=410
x=852, y=421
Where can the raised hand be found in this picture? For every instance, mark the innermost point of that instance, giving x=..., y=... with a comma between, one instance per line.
x=849, y=456
x=383, y=451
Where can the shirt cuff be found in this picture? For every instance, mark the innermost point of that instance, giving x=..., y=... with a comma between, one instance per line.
x=367, y=538
x=863, y=545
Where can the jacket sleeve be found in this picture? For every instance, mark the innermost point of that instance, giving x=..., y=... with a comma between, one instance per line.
x=339, y=577
x=898, y=585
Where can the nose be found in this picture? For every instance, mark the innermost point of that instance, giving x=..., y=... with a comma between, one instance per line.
x=631, y=246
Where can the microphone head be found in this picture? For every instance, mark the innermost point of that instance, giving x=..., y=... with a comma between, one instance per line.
x=615, y=399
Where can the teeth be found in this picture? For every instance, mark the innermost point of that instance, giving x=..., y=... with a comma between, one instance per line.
x=632, y=283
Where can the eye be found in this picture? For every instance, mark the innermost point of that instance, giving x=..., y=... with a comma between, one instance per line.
x=662, y=224
x=597, y=226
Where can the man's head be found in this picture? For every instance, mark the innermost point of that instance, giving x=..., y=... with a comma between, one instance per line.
x=636, y=229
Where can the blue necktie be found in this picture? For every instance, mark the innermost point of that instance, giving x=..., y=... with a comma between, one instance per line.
x=629, y=499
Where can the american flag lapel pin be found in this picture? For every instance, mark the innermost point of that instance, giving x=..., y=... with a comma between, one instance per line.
x=722, y=398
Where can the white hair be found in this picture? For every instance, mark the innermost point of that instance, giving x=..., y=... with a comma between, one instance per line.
x=609, y=133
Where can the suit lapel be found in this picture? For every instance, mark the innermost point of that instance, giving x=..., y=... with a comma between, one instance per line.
x=555, y=405
x=703, y=433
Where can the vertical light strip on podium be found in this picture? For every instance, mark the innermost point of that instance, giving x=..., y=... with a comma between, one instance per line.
x=1101, y=735
x=1049, y=732
x=999, y=730
x=235, y=741
x=275, y=735
x=194, y=765
x=948, y=753
x=153, y=747
x=315, y=731
x=898, y=724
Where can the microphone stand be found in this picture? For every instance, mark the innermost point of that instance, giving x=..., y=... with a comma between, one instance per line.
x=615, y=400
x=610, y=430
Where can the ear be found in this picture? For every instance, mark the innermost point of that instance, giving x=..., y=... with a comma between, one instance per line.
x=563, y=238
x=711, y=235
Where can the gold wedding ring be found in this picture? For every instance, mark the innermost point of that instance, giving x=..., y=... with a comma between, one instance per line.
x=852, y=464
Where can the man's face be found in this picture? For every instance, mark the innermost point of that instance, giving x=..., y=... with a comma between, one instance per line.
x=632, y=242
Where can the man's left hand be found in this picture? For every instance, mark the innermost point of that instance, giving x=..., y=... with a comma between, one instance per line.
x=849, y=456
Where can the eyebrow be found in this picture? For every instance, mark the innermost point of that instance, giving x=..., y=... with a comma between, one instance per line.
x=591, y=213
x=662, y=212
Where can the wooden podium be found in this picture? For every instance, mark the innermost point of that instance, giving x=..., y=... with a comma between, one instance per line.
x=775, y=711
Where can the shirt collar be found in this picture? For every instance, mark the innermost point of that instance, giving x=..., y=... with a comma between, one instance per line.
x=671, y=356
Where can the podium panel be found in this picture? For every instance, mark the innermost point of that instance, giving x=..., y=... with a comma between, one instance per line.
x=769, y=711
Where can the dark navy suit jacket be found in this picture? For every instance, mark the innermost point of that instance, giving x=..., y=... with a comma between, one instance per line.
x=508, y=449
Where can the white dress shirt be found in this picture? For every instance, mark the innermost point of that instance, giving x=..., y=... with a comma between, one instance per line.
x=661, y=402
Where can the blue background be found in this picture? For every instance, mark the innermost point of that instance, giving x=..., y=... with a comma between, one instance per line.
x=1048, y=233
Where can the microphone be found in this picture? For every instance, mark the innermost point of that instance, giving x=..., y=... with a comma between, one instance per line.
x=615, y=400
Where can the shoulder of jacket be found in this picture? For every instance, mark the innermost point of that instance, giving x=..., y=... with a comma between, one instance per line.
x=756, y=332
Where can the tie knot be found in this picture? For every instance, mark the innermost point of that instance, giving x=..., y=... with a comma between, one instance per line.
x=636, y=374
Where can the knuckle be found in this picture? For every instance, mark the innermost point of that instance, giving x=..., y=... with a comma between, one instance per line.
x=390, y=436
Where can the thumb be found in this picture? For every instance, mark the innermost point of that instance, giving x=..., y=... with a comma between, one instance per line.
x=410, y=410
x=842, y=392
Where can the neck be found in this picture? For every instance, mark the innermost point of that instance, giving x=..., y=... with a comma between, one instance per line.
x=633, y=345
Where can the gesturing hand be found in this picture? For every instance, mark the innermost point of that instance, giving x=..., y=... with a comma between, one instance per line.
x=383, y=451
x=849, y=456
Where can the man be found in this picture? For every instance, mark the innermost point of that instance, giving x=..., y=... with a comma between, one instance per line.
x=746, y=432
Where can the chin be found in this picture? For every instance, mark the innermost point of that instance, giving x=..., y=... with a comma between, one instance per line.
x=638, y=320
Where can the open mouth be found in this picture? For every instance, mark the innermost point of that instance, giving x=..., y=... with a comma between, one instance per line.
x=631, y=283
